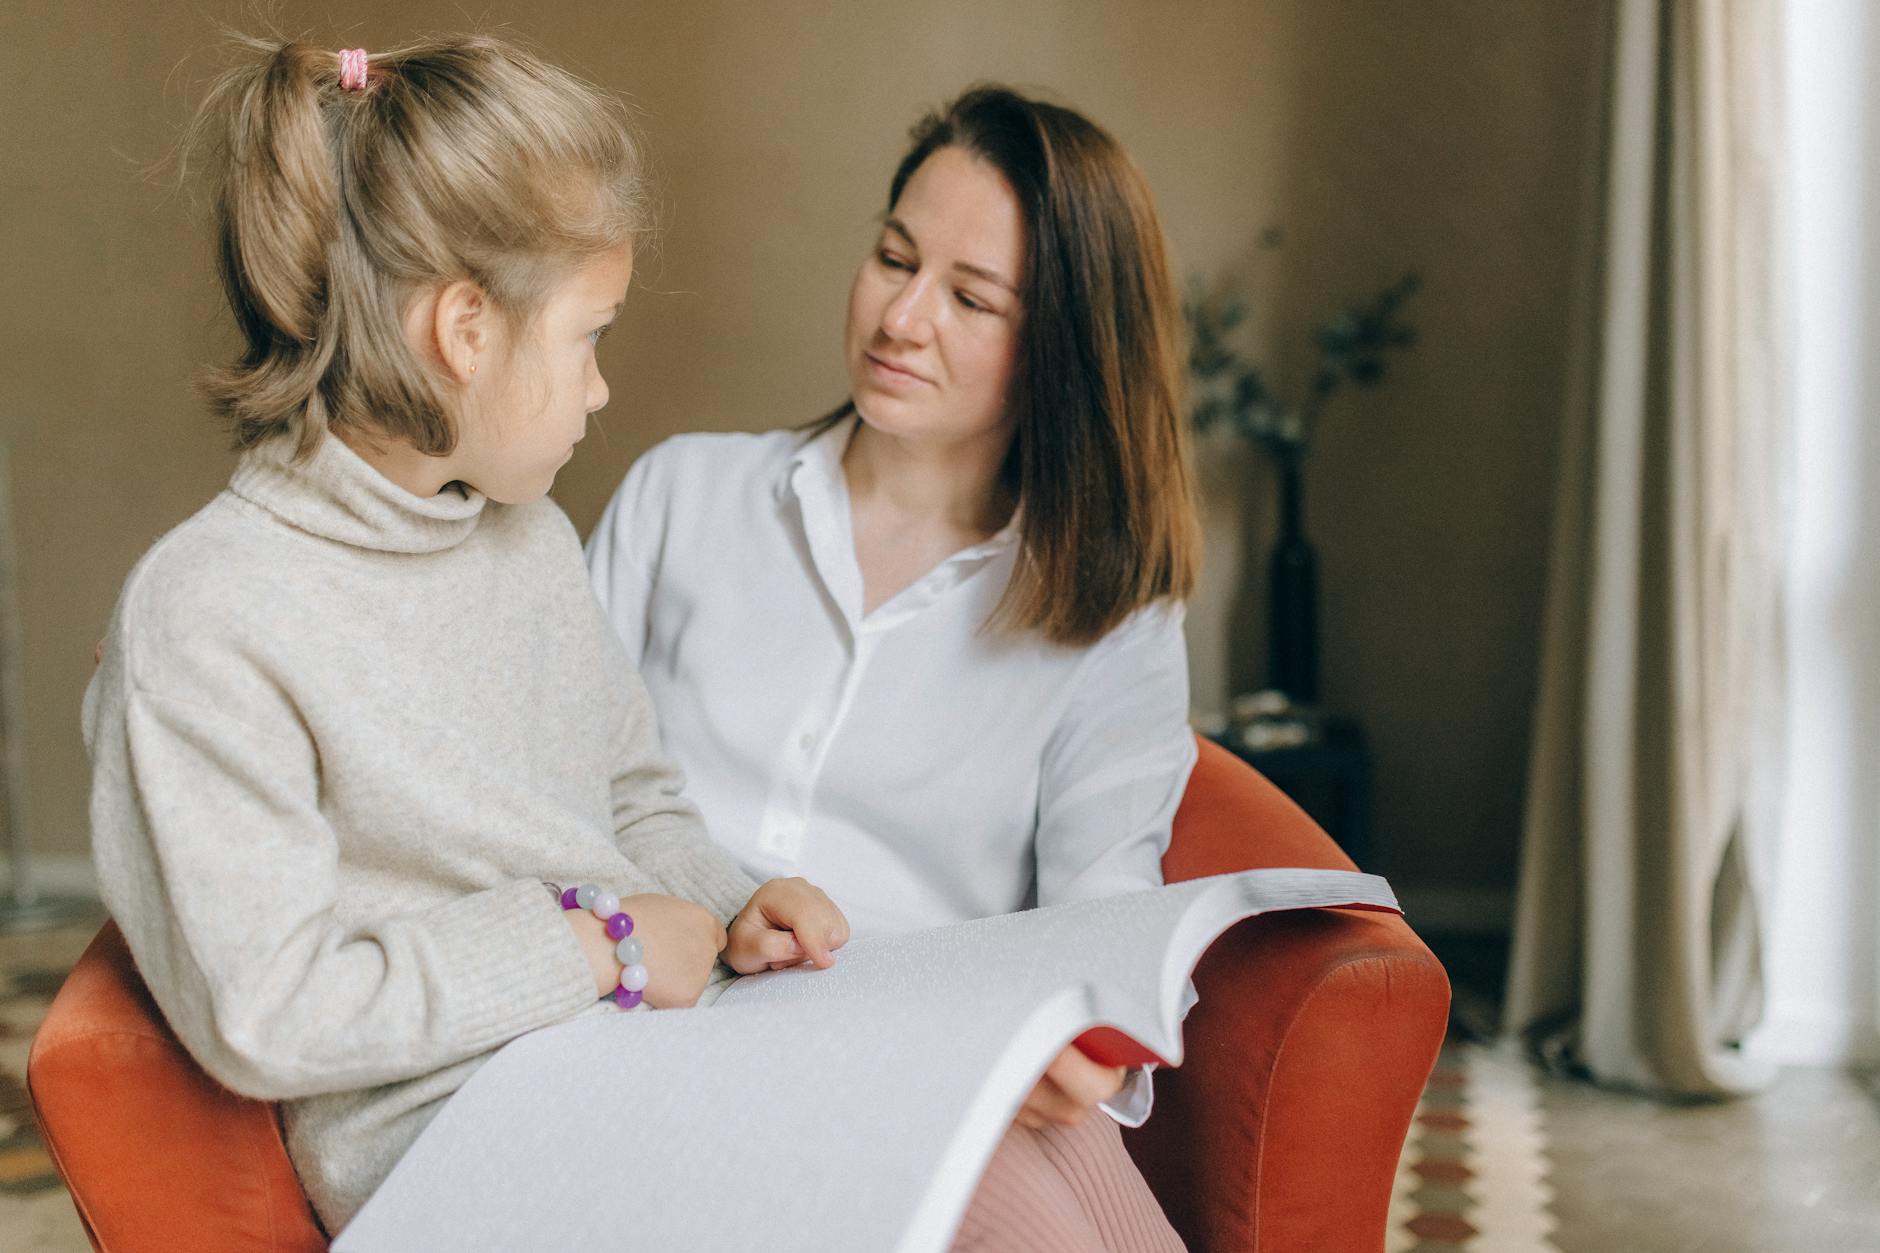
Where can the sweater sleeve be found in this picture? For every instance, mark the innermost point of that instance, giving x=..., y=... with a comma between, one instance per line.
x=216, y=861
x=657, y=827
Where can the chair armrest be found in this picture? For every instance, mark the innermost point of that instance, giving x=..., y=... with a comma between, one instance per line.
x=1306, y=1054
x=156, y=1155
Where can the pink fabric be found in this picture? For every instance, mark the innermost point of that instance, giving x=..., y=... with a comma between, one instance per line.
x=1064, y=1191
x=352, y=69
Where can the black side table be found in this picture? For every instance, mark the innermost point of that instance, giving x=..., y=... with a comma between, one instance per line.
x=1329, y=779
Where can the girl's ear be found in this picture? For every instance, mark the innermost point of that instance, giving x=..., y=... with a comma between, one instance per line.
x=462, y=328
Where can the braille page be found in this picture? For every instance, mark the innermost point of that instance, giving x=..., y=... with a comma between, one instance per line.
x=852, y=1108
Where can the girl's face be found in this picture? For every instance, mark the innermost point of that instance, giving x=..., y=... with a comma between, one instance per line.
x=529, y=411
x=934, y=311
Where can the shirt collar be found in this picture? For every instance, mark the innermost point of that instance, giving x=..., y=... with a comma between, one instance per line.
x=335, y=494
x=821, y=456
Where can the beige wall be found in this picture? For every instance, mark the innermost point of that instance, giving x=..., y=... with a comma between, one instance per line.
x=1445, y=136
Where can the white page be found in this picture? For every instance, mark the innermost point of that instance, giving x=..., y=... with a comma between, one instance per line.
x=852, y=1108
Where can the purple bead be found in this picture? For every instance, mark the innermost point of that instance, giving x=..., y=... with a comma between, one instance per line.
x=627, y=999
x=620, y=926
x=567, y=899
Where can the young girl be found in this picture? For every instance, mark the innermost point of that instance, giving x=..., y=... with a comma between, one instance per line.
x=930, y=653
x=354, y=714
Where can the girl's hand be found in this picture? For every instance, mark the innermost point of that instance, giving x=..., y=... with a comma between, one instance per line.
x=785, y=922
x=1072, y=1086
x=682, y=943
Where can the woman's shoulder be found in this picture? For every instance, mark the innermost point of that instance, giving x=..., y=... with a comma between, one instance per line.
x=716, y=459
x=1154, y=627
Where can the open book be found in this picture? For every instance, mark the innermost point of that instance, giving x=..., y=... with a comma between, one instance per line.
x=851, y=1108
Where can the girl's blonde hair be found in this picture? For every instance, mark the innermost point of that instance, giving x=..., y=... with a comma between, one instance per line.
x=460, y=158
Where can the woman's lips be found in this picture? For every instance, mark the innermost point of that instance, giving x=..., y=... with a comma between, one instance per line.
x=893, y=375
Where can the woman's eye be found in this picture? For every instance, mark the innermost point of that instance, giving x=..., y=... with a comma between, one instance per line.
x=893, y=262
x=599, y=333
x=970, y=303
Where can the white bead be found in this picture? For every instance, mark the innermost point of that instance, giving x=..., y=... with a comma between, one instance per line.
x=634, y=978
x=630, y=951
x=585, y=894
x=605, y=906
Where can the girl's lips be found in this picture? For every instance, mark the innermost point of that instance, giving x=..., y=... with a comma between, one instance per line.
x=893, y=374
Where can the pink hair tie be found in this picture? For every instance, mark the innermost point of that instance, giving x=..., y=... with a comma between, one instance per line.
x=352, y=69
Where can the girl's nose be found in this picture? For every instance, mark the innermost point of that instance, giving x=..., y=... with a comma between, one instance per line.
x=597, y=392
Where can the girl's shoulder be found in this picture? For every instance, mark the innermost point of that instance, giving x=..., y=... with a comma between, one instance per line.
x=201, y=564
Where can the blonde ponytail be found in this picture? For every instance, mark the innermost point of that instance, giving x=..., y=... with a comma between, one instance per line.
x=463, y=158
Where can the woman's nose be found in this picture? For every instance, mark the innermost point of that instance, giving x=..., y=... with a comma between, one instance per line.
x=910, y=314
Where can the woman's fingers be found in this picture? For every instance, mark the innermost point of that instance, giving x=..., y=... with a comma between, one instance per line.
x=1089, y=1081
x=1053, y=1104
x=1071, y=1087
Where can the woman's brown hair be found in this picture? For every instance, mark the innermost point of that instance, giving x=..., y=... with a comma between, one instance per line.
x=1099, y=459
x=460, y=158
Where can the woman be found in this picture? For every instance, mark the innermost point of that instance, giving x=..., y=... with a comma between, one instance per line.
x=928, y=654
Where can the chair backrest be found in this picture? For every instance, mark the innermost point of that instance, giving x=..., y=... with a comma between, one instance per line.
x=1232, y=818
x=157, y=1155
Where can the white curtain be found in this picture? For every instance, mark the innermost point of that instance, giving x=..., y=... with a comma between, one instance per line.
x=1654, y=781
x=1824, y=961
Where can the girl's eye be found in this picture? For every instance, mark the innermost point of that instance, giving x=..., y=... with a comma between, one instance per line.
x=599, y=333
x=969, y=302
x=893, y=262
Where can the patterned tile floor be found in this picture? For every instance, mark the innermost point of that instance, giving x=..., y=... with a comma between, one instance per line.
x=1474, y=1170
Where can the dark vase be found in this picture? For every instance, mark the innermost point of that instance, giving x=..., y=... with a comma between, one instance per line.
x=1293, y=596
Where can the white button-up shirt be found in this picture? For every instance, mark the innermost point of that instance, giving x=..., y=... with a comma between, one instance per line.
x=919, y=769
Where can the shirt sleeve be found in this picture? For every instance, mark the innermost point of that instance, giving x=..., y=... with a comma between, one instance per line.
x=622, y=554
x=1115, y=768
x=1114, y=772
x=216, y=860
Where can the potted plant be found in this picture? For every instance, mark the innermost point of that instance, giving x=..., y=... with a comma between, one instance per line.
x=1353, y=346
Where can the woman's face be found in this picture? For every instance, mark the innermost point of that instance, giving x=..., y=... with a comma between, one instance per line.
x=934, y=312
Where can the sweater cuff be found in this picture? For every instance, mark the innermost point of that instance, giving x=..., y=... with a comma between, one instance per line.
x=510, y=964
x=689, y=865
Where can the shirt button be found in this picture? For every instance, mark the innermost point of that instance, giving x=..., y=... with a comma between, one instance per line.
x=807, y=741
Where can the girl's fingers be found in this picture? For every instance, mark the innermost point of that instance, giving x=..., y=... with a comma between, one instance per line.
x=780, y=948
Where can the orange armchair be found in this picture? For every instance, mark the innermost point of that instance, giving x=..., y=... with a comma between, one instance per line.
x=1280, y=1131
x=1306, y=1053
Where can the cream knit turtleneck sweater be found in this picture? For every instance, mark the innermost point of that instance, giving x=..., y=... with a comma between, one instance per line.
x=340, y=736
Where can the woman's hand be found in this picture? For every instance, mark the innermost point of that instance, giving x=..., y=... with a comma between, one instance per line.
x=682, y=942
x=785, y=922
x=1072, y=1086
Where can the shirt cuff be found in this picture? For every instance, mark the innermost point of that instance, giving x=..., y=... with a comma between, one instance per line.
x=1131, y=1106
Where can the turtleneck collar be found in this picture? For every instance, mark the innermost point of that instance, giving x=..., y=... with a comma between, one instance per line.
x=335, y=494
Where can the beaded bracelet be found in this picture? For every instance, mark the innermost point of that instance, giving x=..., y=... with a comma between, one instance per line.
x=606, y=906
